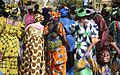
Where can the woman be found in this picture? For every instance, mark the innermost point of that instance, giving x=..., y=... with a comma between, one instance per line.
x=29, y=17
x=11, y=31
x=66, y=23
x=33, y=60
x=84, y=32
x=102, y=63
x=55, y=43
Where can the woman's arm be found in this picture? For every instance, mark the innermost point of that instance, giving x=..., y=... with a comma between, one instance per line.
x=82, y=62
x=61, y=32
x=115, y=47
x=65, y=42
x=94, y=41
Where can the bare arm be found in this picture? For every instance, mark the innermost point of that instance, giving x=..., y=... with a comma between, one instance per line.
x=115, y=47
x=94, y=41
x=65, y=42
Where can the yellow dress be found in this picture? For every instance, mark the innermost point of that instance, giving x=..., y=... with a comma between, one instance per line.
x=9, y=45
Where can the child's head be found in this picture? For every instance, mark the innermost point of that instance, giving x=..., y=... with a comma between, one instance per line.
x=103, y=57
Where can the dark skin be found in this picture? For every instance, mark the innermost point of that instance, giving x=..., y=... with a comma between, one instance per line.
x=36, y=9
x=115, y=47
x=30, y=11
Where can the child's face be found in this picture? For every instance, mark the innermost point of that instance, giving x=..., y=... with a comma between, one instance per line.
x=105, y=57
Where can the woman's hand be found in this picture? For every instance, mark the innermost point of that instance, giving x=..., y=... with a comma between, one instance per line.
x=94, y=41
x=115, y=47
x=113, y=43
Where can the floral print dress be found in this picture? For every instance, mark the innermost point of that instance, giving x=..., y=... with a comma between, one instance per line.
x=82, y=35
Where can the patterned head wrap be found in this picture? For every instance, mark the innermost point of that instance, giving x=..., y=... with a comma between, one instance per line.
x=13, y=9
x=55, y=15
x=89, y=11
x=39, y=17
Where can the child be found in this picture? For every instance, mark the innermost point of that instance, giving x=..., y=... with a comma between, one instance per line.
x=101, y=63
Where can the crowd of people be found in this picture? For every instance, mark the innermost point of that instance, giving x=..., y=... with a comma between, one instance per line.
x=64, y=41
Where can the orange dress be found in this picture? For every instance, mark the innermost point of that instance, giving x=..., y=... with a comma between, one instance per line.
x=56, y=61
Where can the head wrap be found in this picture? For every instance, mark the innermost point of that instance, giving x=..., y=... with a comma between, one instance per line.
x=55, y=15
x=89, y=11
x=13, y=9
x=39, y=17
x=81, y=12
x=64, y=12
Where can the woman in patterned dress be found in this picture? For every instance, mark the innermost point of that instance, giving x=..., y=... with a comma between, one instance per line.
x=84, y=32
x=55, y=43
x=102, y=63
x=33, y=60
x=11, y=31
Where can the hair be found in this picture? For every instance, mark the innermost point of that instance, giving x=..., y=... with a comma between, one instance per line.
x=36, y=6
x=104, y=5
x=99, y=53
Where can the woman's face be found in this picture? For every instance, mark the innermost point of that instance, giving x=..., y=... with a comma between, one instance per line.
x=105, y=57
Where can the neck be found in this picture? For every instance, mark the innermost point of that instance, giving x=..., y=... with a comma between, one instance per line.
x=82, y=22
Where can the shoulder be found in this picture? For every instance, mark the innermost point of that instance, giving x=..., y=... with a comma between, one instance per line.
x=2, y=19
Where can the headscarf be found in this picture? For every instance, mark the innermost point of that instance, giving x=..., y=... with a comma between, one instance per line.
x=38, y=17
x=55, y=15
x=14, y=11
x=64, y=11
x=81, y=12
x=89, y=11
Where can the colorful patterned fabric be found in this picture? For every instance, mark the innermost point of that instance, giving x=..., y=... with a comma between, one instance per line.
x=11, y=32
x=56, y=61
x=9, y=66
x=85, y=69
x=82, y=35
x=114, y=31
x=92, y=64
x=66, y=23
x=71, y=41
x=112, y=68
x=33, y=60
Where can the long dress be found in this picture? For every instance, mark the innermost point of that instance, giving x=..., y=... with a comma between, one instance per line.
x=56, y=59
x=33, y=60
x=9, y=45
x=82, y=36
x=70, y=62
